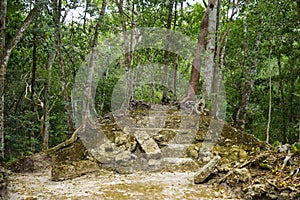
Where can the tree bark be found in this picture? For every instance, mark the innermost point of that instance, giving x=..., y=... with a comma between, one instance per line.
x=211, y=71
x=90, y=69
x=3, y=10
x=127, y=54
x=219, y=61
x=32, y=86
x=250, y=72
x=270, y=107
x=47, y=109
x=174, y=83
x=198, y=60
x=57, y=24
x=5, y=52
x=166, y=53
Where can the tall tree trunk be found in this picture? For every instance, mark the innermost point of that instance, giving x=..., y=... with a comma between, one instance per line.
x=47, y=109
x=219, y=60
x=211, y=71
x=63, y=79
x=250, y=72
x=127, y=55
x=90, y=69
x=198, y=60
x=32, y=86
x=150, y=57
x=270, y=105
x=174, y=83
x=2, y=71
x=282, y=100
x=5, y=52
x=166, y=54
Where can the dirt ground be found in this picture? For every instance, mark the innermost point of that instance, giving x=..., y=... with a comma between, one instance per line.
x=110, y=185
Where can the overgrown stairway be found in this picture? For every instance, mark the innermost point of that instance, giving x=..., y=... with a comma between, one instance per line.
x=158, y=138
x=150, y=139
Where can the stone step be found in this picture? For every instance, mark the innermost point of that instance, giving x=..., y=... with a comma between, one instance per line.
x=155, y=114
x=178, y=136
x=175, y=150
x=158, y=120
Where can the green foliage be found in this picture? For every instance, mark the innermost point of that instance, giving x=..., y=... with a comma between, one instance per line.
x=273, y=23
x=296, y=147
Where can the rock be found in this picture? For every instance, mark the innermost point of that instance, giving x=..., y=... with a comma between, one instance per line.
x=206, y=170
x=284, y=195
x=126, y=140
x=192, y=151
x=147, y=144
x=284, y=148
x=242, y=154
x=73, y=170
x=255, y=190
x=163, y=137
x=243, y=174
x=75, y=152
x=201, y=135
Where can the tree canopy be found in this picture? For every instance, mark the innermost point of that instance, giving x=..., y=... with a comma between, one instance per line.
x=43, y=45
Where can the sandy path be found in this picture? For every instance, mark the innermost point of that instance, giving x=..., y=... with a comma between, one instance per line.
x=109, y=185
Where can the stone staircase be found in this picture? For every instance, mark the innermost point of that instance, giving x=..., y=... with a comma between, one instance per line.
x=158, y=139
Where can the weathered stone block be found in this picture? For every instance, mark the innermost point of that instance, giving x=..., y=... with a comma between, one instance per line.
x=206, y=170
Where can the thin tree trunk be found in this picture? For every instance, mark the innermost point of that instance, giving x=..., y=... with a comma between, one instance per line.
x=219, y=63
x=88, y=88
x=32, y=86
x=250, y=75
x=174, y=84
x=5, y=52
x=150, y=57
x=282, y=100
x=270, y=106
x=47, y=110
x=2, y=71
x=127, y=55
x=57, y=23
x=166, y=54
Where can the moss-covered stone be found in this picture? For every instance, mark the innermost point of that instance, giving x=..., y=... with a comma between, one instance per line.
x=75, y=152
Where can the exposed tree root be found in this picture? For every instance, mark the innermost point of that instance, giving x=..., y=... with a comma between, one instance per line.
x=71, y=140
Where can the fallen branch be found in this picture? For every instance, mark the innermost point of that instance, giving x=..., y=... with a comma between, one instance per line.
x=226, y=176
x=254, y=159
x=247, y=162
x=71, y=140
x=294, y=172
x=286, y=159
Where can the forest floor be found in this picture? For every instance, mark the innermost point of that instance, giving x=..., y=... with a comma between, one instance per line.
x=110, y=185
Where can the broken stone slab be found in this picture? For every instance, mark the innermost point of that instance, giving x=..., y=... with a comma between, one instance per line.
x=148, y=145
x=206, y=170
